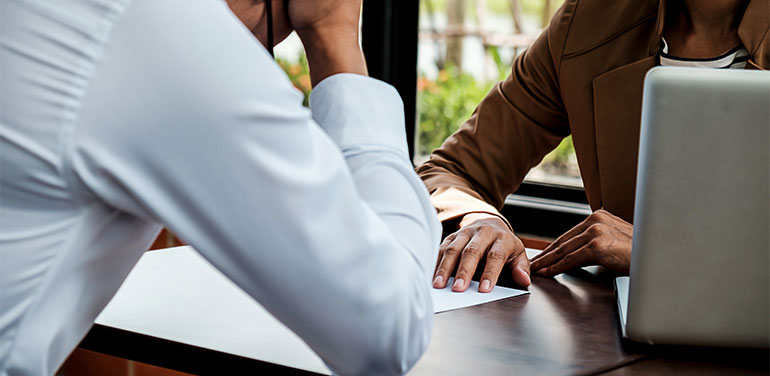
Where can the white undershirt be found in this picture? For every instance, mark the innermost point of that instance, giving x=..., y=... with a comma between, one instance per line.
x=122, y=116
x=734, y=59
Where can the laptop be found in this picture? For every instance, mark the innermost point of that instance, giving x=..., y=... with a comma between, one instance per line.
x=699, y=266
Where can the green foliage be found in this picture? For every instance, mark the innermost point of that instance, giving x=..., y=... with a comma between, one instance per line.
x=299, y=74
x=559, y=157
x=444, y=104
x=447, y=102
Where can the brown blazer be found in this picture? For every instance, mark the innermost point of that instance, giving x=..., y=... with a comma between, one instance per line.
x=583, y=76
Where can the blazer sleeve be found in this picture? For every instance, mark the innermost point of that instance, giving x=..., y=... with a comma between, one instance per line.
x=512, y=129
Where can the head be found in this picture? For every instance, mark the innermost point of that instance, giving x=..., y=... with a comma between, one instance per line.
x=252, y=14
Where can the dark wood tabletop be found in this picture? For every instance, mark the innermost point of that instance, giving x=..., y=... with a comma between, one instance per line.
x=568, y=325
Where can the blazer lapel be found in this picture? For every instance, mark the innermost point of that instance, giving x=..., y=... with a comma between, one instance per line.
x=617, y=116
x=753, y=31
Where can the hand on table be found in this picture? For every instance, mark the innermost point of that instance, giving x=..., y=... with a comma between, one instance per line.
x=481, y=237
x=602, y=239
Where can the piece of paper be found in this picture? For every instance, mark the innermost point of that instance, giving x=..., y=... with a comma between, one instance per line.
x=446, y=300
x=532, y=252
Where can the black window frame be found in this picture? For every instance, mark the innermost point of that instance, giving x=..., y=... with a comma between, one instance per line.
x=389, y=38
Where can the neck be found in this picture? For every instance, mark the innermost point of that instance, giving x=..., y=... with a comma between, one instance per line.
x=703, y=28
x=714, y=17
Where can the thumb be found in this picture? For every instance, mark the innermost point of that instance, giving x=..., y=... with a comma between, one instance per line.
x=520, y=269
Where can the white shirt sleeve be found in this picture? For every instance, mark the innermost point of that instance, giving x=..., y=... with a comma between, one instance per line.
x=189, y=123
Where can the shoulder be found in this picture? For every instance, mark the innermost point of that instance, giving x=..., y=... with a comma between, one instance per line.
x=580, y=26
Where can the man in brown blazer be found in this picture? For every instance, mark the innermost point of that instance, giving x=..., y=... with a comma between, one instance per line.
x=583, y=76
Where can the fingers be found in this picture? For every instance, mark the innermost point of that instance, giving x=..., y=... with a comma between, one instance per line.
x=520, y=270
x=556, y=254
x=496, y=259
x=577, y=230
x=450, y=251
x=469, y=260
x=485, y=237
x=580, y=257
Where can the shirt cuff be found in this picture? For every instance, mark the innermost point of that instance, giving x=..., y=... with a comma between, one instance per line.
x=452, y=203
x=358, y=110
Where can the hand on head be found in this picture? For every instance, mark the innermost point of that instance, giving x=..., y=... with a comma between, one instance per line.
x=328, y=29
x=481, y=238
x=252, y=14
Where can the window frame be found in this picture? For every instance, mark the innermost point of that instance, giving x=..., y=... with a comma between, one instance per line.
x=389, y=38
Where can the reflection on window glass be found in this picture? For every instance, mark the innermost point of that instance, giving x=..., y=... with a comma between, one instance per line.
x=465, y=47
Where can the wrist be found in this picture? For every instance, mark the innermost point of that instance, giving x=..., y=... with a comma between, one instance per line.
x=473, y=217
x=332, y=51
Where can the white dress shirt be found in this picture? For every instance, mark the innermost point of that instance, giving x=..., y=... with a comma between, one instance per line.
x=120, y=116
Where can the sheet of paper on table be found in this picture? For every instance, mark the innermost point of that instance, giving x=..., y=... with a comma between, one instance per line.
x=176, y=295
x=446, y=300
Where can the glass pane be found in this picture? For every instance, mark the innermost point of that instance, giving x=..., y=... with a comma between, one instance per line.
x=465, y=47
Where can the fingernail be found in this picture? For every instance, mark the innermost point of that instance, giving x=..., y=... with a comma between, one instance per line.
x=459, y=283
x=485, y=285
x=437, y=281
x=541, y=272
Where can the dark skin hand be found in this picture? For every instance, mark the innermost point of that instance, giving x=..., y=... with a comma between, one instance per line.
x=602, y=239
x=481, y=237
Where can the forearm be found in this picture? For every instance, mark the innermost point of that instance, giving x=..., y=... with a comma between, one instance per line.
x=364, y=118
x=331, y=51
x=452, y=193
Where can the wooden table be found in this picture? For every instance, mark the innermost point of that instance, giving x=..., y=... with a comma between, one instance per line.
x=568, y=325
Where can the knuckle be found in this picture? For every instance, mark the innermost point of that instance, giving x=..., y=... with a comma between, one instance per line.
x=503, y=234
x=595, y=229
x=467, y=229
x=472, y=250
x=487, y=229
x=465, y=271
x=451, y=251
x=557, y=252
x=496, y=255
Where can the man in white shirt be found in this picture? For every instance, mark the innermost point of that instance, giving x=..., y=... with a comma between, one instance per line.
x=123, y=116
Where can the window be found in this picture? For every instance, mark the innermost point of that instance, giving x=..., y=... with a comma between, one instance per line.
x=552, y=199
x=464, y=48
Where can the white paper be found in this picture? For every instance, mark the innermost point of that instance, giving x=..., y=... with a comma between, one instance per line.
x=532, y=252
x=446, y=300
x=177, y=295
